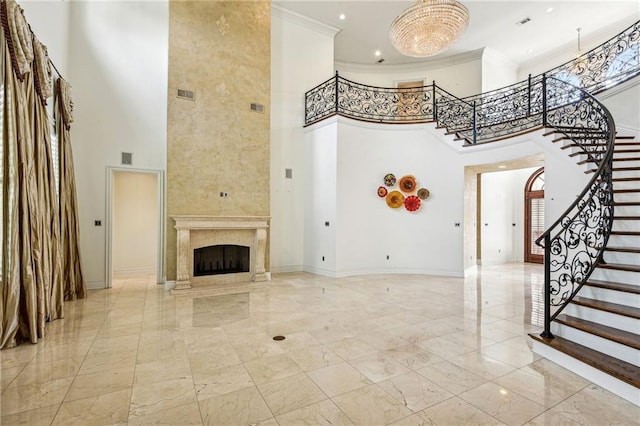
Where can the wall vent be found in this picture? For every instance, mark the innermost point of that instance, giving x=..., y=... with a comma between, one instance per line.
x=126, y=158
x=257, y=108
x=288, y=173
x=186, y=94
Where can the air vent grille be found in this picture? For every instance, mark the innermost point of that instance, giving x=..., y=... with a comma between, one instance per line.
x=126, y=158
x=186, y=94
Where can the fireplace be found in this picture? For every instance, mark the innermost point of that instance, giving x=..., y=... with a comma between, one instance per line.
x=220, y=249
x=220, y=259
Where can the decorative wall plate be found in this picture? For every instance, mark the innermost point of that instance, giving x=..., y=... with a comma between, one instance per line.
x=412, y=203
x=382, y=192
x=395, y=199
x=390, y=179
x=423, y=193
x=408, y=184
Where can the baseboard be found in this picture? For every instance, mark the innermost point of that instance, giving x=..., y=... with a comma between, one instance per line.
x=95, y=285
x=169, y=285
x=145, y=270
x=288, y=268
x=399, y=271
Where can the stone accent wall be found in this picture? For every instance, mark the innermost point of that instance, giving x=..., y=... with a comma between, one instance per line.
x=220, y=50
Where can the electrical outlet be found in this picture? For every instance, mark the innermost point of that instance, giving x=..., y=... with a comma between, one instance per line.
x=97, y=223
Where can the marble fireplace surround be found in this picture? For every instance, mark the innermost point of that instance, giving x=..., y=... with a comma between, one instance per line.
x=197, y=231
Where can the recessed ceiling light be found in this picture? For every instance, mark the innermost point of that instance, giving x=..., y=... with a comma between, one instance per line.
x=342, y=17
x=502, y=166
x=530, y=51
x=377, y=53
x=549, y=10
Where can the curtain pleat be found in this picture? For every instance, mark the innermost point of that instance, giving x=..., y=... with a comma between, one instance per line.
x=73, y=282
x=39, y=261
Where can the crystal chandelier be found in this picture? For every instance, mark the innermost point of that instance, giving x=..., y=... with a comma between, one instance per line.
x=428, y=27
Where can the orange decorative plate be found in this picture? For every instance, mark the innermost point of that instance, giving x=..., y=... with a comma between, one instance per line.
x=408, y=184
x=395, y=199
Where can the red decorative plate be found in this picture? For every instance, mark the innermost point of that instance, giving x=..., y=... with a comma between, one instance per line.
x=412, y=203
x=382, y=192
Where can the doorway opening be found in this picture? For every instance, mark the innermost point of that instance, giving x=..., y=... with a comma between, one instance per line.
x=134, y=224
x=534, y=216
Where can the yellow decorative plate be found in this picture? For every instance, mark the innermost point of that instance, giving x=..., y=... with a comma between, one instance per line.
x=395, y=199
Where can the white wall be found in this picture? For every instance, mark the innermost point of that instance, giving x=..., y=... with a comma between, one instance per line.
x=351, y=158
x=502, y=207
x=135, y=223
x=624, y=106
x=320, y=251
x=301, y=57
x=460, y=76
x=497, y=70
x=118, y=69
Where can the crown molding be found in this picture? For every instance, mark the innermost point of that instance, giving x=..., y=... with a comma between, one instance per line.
x=462, y=58
x=304, y=21
x=567, y=51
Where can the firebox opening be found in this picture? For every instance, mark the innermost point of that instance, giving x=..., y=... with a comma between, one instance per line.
x=220, y=259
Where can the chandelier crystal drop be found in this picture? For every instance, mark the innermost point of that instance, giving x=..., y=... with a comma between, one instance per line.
x=428, y=27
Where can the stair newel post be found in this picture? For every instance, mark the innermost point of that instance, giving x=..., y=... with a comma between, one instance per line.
x=529, y=97
x=544, y=100
x=475, y=129
x=547, y=288
x=433, y=96
x=336, y=91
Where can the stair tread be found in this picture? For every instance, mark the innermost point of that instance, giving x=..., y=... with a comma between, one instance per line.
x=623, y=249
x=616, y=335
x=622, y=191
x=626, y=218
x=614, y=308
x=615, y=367
x=619, y=267
x=625, y=288
x=632, y=233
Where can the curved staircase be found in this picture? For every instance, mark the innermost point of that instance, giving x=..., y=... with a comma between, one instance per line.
x=600, y=327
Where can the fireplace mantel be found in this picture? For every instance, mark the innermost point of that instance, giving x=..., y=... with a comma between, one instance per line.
x=195, y=231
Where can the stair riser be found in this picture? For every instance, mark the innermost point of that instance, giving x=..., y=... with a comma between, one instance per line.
x=597, y=343
x=615, y=276
x=624, y=240
x=606, y=318
x=626, y=184
x=622, y=257
x=624, y=173
x=628, y=211
x=612, y=296
x=626, y=225
x=626, y=196
x=618, y=387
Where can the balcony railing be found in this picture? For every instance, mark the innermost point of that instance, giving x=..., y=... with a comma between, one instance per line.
x=484, y=117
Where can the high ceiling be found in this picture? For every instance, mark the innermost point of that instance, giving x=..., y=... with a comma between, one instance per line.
x=492, y=24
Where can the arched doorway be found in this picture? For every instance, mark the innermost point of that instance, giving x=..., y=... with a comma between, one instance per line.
x=534, y=216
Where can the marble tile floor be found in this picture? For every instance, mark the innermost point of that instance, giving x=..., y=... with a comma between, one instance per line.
x=367, y=350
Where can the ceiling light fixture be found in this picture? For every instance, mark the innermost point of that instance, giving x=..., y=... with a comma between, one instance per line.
x=342, y=17
x=377, y=53
x=549, y=10
x=428, y=27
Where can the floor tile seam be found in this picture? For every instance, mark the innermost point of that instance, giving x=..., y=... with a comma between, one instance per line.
x=22, y=367
x=493, y=359
x=528, y=398
x=34, y=409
